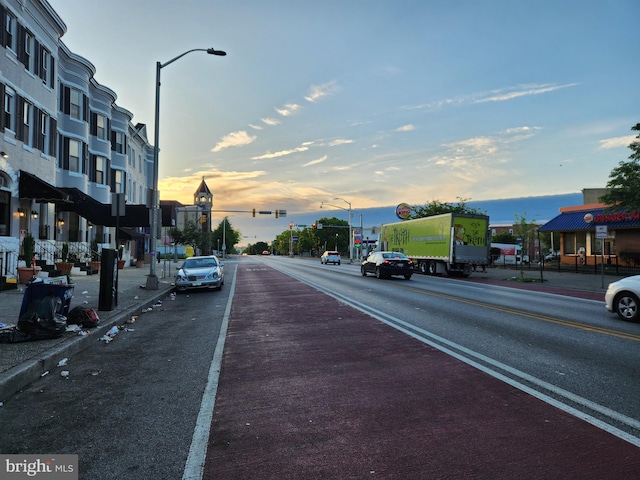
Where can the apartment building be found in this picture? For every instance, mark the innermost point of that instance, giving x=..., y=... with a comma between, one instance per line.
x=66, y=148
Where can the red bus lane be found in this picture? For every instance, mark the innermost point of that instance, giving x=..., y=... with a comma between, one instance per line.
x=311, y=388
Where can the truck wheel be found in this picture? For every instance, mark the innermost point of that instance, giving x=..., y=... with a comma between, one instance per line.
x=423, y=268
x=433, y=268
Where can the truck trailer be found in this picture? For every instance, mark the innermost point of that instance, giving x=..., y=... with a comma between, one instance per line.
x=449, y=243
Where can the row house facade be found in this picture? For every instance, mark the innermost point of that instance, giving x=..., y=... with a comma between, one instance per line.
x=67, y=150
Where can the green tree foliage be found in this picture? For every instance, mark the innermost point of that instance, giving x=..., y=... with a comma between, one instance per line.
x=504, y=237
x=435, y=207
x=225, y=234
x=190, y=235
x=624, y=180
x=315, y=241
x=257, y=248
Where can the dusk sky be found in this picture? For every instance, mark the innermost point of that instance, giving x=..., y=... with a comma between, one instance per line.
x=376, y=102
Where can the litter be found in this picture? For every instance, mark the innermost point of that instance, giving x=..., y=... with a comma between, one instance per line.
x=105, y=338
x=45, y=373
x=63, y=362
x=64, y=373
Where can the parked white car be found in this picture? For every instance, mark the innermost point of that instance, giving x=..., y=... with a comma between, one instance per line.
x=200, y=272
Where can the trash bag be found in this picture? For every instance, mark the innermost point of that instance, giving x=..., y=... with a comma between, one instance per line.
x=84, y=316
x=13, y=335
x=41, y=321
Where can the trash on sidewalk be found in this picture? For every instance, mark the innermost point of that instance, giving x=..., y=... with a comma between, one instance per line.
x=65, y=374
x=63, y=362
x=86, y=317
x=41, y=320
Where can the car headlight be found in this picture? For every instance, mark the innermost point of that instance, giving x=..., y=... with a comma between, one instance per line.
x=181, y=275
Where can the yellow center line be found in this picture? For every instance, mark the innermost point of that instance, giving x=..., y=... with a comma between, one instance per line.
x=536, y=316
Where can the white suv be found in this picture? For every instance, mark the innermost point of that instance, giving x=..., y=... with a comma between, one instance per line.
x=330, y=257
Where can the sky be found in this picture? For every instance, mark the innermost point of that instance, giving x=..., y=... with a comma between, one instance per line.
x=370, y=102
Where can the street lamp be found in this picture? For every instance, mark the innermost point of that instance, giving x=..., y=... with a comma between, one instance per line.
x=348, y=210
x=152, y=279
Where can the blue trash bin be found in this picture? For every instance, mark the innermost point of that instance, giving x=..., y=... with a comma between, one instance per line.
x=37, y=290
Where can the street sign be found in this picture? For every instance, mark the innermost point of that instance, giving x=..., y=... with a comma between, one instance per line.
x=601, y=232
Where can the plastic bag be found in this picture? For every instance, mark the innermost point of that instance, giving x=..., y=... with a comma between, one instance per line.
x=41, y=320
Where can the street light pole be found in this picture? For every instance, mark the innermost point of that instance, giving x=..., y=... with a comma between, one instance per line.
x=350, y=233
x=152, y=279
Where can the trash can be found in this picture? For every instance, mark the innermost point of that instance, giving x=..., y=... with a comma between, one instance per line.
x=37, y=290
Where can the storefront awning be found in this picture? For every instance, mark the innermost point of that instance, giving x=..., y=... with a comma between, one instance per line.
x=130, y=234
x=100, y=213
x=36, y=189
x=576, y=221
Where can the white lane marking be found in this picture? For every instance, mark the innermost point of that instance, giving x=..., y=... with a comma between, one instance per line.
x=194, y=465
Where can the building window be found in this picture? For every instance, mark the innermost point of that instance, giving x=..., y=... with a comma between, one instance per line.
x=74, y=155
x=9, y=110
x=10, y=26
x=132, y=158
x=101, y=127
x=118, y=176
x=101, y=164
x=28, y=51
x=119, y=146
x=27, y=124
x=41, y=142
x=75, y=98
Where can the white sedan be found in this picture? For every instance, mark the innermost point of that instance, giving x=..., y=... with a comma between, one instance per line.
x=622, y=297
x=200, y=272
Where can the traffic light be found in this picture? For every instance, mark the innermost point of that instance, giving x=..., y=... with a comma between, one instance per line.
x=254, y=212
x=203, y=219
x=277, y=214
x=314, y=225
x=291, y=226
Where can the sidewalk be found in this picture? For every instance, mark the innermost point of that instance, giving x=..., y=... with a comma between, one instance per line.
x=22, y=363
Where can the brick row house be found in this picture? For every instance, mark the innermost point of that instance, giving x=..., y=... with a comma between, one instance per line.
x=66, y=148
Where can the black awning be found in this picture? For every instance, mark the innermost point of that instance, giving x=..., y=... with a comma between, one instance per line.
x=36, y=189
x=130, y=234
x=100, y=213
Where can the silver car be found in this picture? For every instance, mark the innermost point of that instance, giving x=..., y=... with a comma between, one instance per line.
x=200, y=272
x=622, y=297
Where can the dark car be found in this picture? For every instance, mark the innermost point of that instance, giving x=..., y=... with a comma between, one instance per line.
x=387, y=264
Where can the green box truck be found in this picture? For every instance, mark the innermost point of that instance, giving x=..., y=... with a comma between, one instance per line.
x=450, y=243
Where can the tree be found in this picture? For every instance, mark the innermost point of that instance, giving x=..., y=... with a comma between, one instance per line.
x=504, y=237
x=624, y=180
x=525, y=230
x=435, y=207
x=225, y=234
x=190, y=235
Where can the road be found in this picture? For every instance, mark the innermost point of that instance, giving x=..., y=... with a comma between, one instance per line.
x=564, y=349
x=129, y=408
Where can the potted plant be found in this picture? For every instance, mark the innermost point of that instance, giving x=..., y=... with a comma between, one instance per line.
x=121, y=262
x=95, y=255
x=64, y=267
x=30, y=270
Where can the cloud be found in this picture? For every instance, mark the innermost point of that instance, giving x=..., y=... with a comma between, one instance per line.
x=405, y=128
x=498, y=95
x=315, y=162
x=316, y=92
x=503, y=95
x=520, y=130
x=281, y=153
x=617, y=142
x=339, y=141
x=288, y=110
x=234, y=139
x=270, y=121
x=256, y=127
